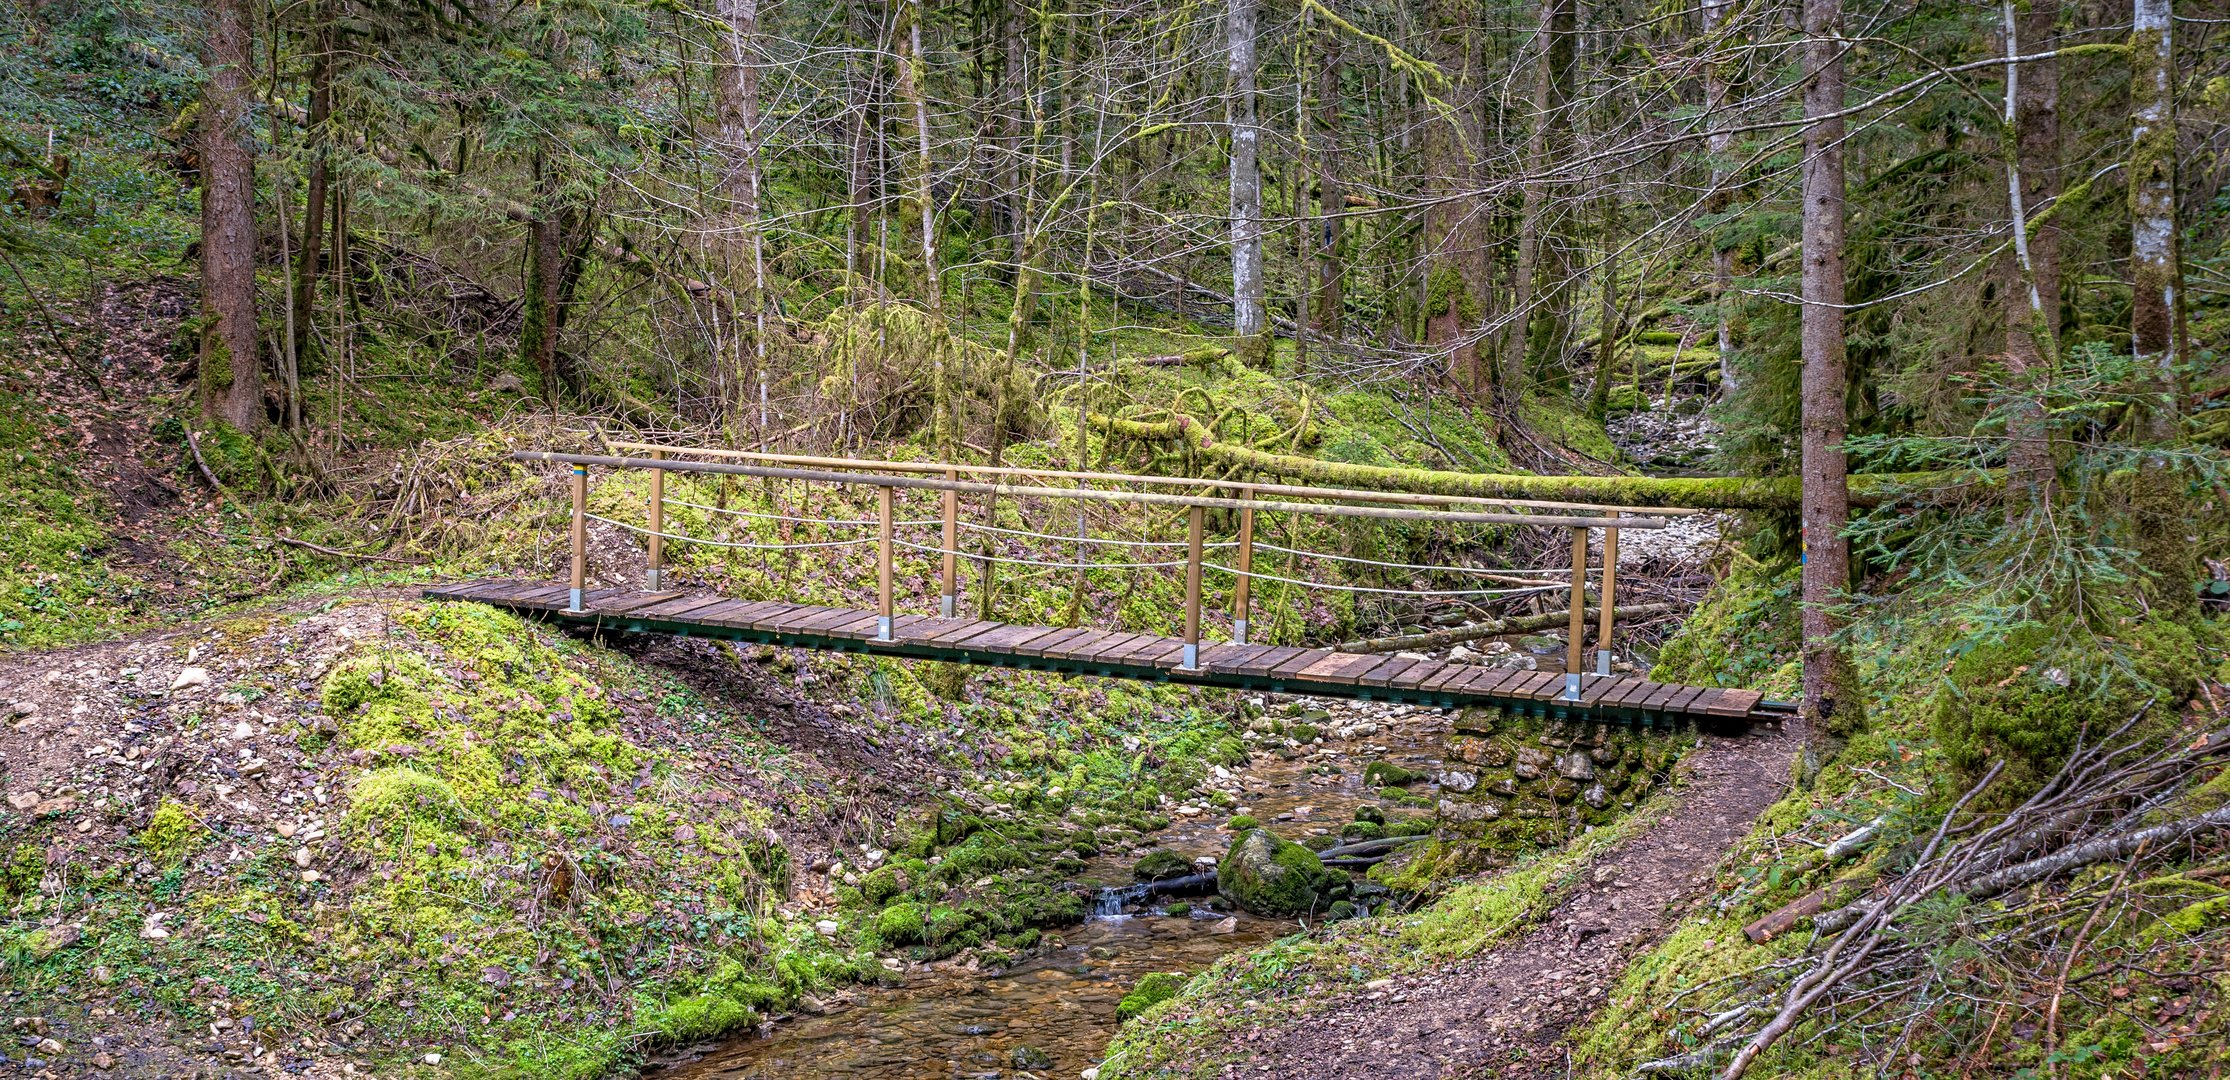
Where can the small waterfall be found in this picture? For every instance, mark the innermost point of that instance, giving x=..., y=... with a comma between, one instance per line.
x=1110, y=902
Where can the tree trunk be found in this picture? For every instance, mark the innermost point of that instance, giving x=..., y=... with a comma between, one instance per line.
x=2031, y=299
x=1331, y=200
x=1247, y=287
x=320, y=173
x=2162, y=522
x=1608, y=333
x=1832, y=703
x=1536, y=329
x=1453, y=253
x=912, y=73
x=1720, y=145
x=231, y=370
x=736, y=93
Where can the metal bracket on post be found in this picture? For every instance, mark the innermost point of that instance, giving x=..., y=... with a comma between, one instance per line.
x=1572, y=686
x=1603, y=662
x=1192, y=657
x=1238, y=631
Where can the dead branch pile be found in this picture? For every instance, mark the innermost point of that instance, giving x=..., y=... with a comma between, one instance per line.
x=1991, y=915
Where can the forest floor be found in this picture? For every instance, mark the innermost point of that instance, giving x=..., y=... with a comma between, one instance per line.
x=1511, y=1011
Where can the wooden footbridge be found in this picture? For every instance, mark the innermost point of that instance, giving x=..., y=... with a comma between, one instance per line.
x=1236, y=663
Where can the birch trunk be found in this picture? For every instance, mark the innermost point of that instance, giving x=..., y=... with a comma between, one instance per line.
x=1247, y=288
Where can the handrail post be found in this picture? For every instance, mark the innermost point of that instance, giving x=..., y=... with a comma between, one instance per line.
x=1193, y=525
x=654, y=577
x=1579, y=616
x=950, y=602
x=883, y=562
x=580, y=536
x=1610, y=599
x=1245, y=564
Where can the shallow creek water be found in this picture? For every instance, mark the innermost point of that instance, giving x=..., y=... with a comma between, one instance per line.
x=949, y=1022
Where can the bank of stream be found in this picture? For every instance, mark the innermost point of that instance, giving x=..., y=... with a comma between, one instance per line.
x=948, y=1020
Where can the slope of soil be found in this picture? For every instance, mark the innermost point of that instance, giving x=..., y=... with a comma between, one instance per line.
x=1507, y=1013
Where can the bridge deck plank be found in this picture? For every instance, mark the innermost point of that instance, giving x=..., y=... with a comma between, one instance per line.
x=1294, y=669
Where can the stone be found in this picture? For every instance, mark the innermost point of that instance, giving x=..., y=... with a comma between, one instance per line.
x=1576, y=766
x=1229, y=924
x=431, y=1059
x=1030, y=1057
x=827, y=927
x=1343, y=910
x=190, y=677
x=302, y=857
x=103, y=974
x=1459, y=782
x=1603, y=755
x=1160, y=866
x=1596, y=797
x=1564, y=791
x=45, y=942
x=104, y=1061
x=1531, y=761
x=1269, y=876
x=1504, y=787
x=23, y=800
x=242, y=731
x=50, y=1046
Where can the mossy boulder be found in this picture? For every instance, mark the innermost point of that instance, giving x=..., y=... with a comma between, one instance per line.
x=1161, y=866
x=1269, y=876
x=901, y=924
x=2027, y=697
x=1153, y=988
x=1388, y=774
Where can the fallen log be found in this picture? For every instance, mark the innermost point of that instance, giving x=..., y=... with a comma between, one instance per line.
x=1777, y=493
x=1780, y=922
x=1526, y=624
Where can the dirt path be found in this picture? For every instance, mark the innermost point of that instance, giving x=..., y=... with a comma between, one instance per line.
x=1509, y=1012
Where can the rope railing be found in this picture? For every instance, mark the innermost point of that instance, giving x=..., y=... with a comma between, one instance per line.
x=1333, y=503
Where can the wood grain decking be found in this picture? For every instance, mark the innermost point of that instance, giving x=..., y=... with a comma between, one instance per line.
x=1281, y=669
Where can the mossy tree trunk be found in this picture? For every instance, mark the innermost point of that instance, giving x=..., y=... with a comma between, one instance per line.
x=1454, y=255
x=1249, y=322
x=231, y=369
x=319, y=177
x=2031, y=299
x=2162, y=521
x=1537, y=333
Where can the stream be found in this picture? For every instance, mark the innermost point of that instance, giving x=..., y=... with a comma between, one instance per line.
x=948, y=1021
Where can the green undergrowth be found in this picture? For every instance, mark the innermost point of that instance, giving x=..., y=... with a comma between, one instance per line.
x=56, y=585
x=1314, y=971
x=1059, y=771
x=540, y=862
x=1950, y=699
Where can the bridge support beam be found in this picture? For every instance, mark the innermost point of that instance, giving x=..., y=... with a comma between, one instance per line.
x=884, y=601
x=950, y=601
x=653, y=577
x=1579, y=616
x=579, y=578
x=1241, y=589
x=1193, y=527
x=1610, y=589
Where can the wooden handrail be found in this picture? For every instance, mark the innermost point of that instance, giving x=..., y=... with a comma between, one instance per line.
x=1149, y=498
x=1424, y=498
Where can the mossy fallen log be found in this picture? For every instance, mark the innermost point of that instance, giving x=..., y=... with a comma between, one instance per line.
x=1775, y=493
